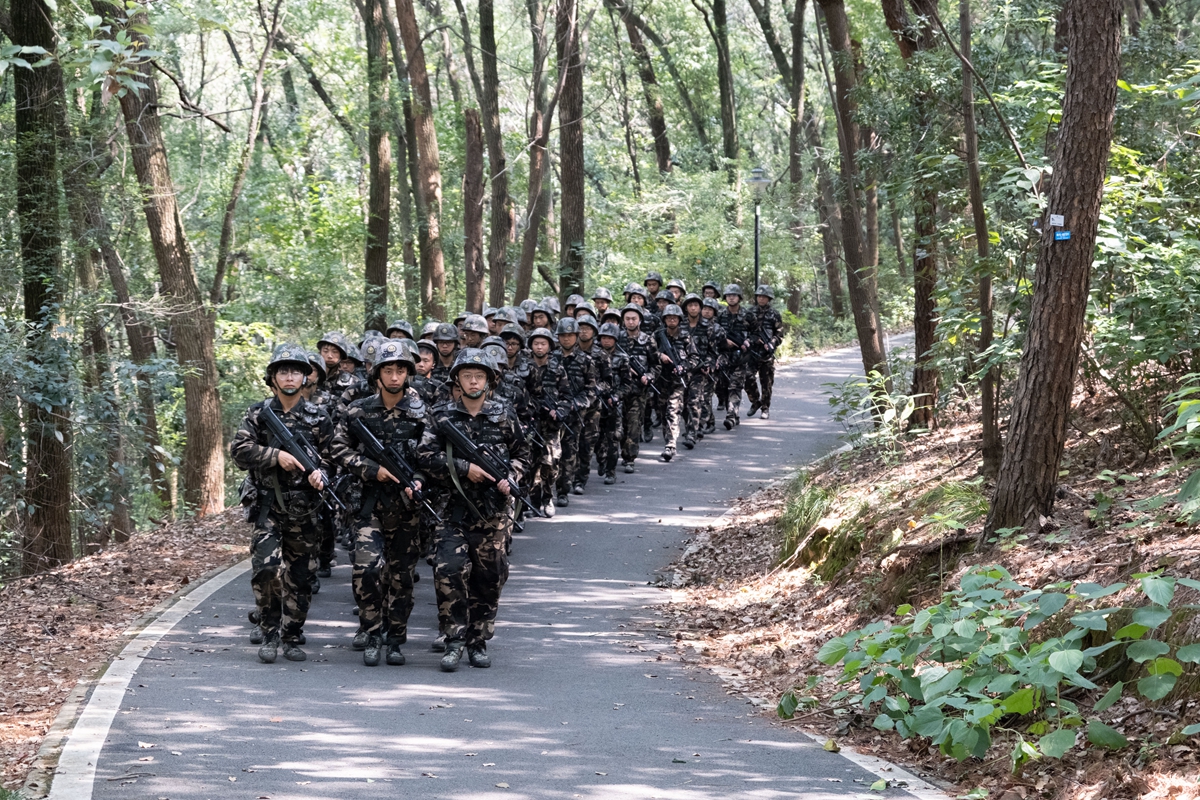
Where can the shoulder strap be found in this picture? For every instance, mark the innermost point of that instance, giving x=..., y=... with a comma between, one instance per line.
x=457, y=484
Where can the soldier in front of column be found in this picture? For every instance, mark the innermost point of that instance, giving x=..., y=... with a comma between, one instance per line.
x=737, y=324
x=608, y=443
x=708, y=312
x=387, y=541
x=471, y=561
x=581, y=396
x=643, y=368
x=287, y=534
x=679, y=361
x=768, y=335
x=704, y=336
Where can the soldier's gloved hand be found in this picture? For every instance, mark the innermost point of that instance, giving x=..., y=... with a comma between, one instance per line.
x=408, y=492
x=288, y=461
x=315, y=479
x=477, y=475
x=383, y=476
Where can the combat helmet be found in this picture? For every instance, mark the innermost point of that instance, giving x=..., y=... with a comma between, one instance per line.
x=392, y=352
x=566, y=325
x=574, y=300
x=602, y=293
x=475, y=324
x=765, y=291
x=672, y=310
x=653, y=276
x=665, y=295
x=368, y=335
x=551, y=302
x=287, y=354
x=610, y=329
x=337, y=339
x=732, y=288
x=429, y=328
x=691, y=297
x=513, y=331
x=543, y=333
x=675, y=283
x=318, y=363
x=528, y=305
x=474, y=357
x=587, y=319
x=445, y=333
x=403, y=326
x=370, y=348
x=495, y=341
x=711, y=302
x=585, y=308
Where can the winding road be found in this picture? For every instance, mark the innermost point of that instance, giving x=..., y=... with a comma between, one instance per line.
x=586, y=698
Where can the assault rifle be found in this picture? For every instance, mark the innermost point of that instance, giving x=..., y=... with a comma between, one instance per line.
x=487, y=459
x=667, y=347
x=300, y=448
x=391, y=459
x=639, y=371
x=561, y=420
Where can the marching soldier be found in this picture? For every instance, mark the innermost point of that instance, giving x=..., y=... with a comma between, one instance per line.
x=704, y=335
x=388, y=538
x=769, y=335
x=549, y=393
x=608, y=443
x=642, y=353
x=738, y=325
x=471, y=561
x=678, y=356
x=581, y=396
x=287, y=535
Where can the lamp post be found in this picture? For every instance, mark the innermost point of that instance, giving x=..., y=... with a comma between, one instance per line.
x=759, y=181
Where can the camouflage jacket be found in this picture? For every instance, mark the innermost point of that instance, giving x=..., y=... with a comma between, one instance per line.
x=402, y=426
x=496, y=425
x=770, y=327
x=641, y=353
x=425, y=387
x=620, y=381
x=708, y=337
x=604, y=376
x=685, y=349
x=345, y=388
x=581, y=379
x=739, y=326
x=549, y=390
x=254, y=448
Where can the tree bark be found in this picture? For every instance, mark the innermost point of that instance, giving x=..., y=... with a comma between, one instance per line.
x=537, y=200
x=626, y=121
x=429, y=170
x=47, y=535
x=379, y=160
x=651, y=91
x=718, y=29
x=993, y=448
x=401, y=121
x=829, y=217
x=472, y=190
x=898, y=235
x=860, y=278
x=1042, y=398
x=570, y=145
x=204, y=452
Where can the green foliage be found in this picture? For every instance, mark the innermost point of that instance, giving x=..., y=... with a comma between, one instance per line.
x=806, y=505
x=873, y=414
x=954, y=505
x=984, y=660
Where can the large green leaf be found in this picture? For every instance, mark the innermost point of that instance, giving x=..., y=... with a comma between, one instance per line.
x=1103, y=735
x=1067, y=662
x=1156, y=687
x=1055, y=744
x=833, y=651
x=1189, y=654
x=1146, y=649
x=1110, y=697
x=1151, y=616
x=1159, y=590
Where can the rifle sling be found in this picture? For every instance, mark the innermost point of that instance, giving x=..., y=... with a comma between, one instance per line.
x=457, y=484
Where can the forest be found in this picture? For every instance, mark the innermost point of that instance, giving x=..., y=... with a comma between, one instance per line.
x=184, y=185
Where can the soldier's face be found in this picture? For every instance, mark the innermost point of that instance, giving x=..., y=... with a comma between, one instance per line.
x=692, y=309
x=494, y=326
x=473, y=381
x=601, y=304
x=652, y=287
x=512, y=346
x=331, y=354
x=633, y=320
x=445, y=348
x=637, y=300
x=707, y=312
x=675, y=290
x=710, y=292
x=762, y=299
x=663, y=304
x=567, y=340
x=540, y=347
x=392, y=377
x=586, y=333
x=472, y=339
x=732, y=300
x=289, y=380
x=540, y=320
x=671, y=321
x=425, y=364
x=608, y=342
x=346, y=365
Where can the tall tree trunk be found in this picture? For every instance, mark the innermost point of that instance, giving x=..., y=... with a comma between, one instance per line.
x=379, y=159
x=429, y=170
x=626, y=121
x=401, y=122
x=993, y=447
x=870, y=205
x=47, y=536
x=912, y=39
x=204, y=451
x=829, y=217
x=472, y=190
x=860, y=278
x=570, y=143
x=257, y=99
x=718, y=29
x=501, y=203
x=537, y=201
x=652, y=92
x=1042, y=398
x=898, y=236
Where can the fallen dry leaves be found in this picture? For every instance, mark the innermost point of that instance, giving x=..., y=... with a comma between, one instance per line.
x=60, y=626
x=759, y=627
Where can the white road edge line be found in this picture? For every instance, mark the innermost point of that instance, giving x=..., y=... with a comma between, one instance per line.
x=76, y=771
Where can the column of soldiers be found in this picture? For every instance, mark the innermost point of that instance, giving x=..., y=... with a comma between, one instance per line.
x=436, y=444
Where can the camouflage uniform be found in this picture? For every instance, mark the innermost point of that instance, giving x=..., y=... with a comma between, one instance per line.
x=580, y=399
x=589, y=440
x=643, y=351
x=737, y=329
x=387, y=539
x=472, y=565
x=324, y=399
x=286, y=535
x=548, y=390
x=673, y=381
x=706, y=336
x=769, y=327
x=608, y=444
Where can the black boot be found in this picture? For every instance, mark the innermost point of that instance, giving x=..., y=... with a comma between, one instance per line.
x=292, y=651
x=454, y=654
x=314, y=584
x=256, y=635
x=439, y=644
x=754, y=407
x=255, y=617
x=270, y=648
x=360, y=640
x=477, y=655
x=373, y=651
x=325, y=571
x=394, y=657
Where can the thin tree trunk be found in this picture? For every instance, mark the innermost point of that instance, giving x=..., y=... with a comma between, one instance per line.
x=870, y=206
x=898, y=235
x=379, y=158
x=257, y=100
x=652, y=92
x=204, y=452
x=829, y=216
x=1042, y=398
x=401, y=123
x=993, y=448
x=570, y=142
x=429, y=170
x=718, y=29
x=860, y=278
x=536, y=203
x=626, y=121
x=472, y=190
x=47, y=535
x=318, y=88
x=501, y=203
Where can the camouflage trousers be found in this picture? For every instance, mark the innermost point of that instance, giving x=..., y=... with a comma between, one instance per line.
x=671, y=413
x=546, y=469
x=760, y=381
x=572, y=444
x=386, y=550
x=693, y=404
x=328, y=525
x=707, y=419
x=471, y=569
x=589, y=438
x=733, y=401
x=608, y=441
x=281, y=558
x=635, y=409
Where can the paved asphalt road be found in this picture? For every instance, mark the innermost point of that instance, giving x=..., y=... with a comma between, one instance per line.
x=576, y=704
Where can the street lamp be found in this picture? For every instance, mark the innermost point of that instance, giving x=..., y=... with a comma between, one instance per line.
x=759, y=182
